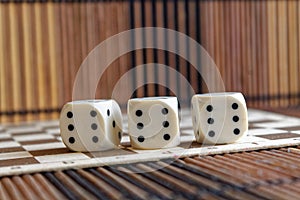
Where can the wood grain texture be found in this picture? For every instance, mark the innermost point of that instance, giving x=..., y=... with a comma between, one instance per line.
x=15, y=61
x=53, y=82
x=272, y=54
x=57, y=32
x=263, y=72
x=293, y=49
x=283, y=69
x=140, y=54
x=28, y=58
x=3, y=82
x=124, y=60
x=255, y=45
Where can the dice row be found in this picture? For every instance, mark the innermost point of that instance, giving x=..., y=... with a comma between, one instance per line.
x=153, y=123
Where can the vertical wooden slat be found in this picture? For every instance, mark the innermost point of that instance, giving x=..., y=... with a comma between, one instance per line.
x=220, y=38
x=21, y=113
x=187, y=23
x=96, y=30
x=161, y=74
x=176, y=19
x=298, y=46
x=34, y=52
x=193, y=74
x=104, y=32
x=258, y=54
x=45, y=65
x=59, y=55
x=113, y=71
x=15, y=80
x=65, y=52
x=133, y=44
x=272, y=52
x=124, y=60
x=183, y=49
x=253, y=42
x=216, y=34
x=41, y=67
x=154, y=39
x=52, y=61
x=170, y=23
x=140, y=54
x=233, y=68
x=3, y=82
x=243, y=53
x=293, y=52
x=237, y=30
x=227, y=75
x=264, y=74
x=76, y=39
x=28, y=57
x=71, y=52
x=283, y=69
x=147, y=21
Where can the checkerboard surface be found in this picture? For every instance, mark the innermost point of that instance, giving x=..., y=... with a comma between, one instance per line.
x=37, y=146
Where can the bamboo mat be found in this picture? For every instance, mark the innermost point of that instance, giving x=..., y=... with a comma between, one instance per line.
x=265, y=174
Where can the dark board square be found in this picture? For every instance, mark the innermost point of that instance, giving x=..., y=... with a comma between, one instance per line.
x=253, y=123
x=292, y=128
x=6, y=139
x=50, y=152
x=11, y=149
x=252, y=126
x=192, y=144
x=38, y=141
x=18, y=161
x=262, y=121
x=27, y=132
x=278, y=136
x=20, y=125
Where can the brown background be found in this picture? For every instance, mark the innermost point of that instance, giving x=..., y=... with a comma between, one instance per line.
x=255, y=45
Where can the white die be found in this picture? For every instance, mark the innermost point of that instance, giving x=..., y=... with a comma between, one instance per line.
x=219, y=118
x=91, y=125
x=153, y=122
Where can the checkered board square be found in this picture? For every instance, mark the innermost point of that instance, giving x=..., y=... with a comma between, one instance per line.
x=37, y=146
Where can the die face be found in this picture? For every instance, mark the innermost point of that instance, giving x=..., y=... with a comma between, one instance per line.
x=81, y=126
x=112, y=116
x=113, y=122
x=85, y=125
x=219, y=118
x=153, y=122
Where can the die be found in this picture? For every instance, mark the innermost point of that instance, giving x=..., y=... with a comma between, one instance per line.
x=153, y=122
x=91, y=125
x=219, y=118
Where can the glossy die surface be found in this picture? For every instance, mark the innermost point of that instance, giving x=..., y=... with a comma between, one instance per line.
x=91, y=125
x=153, y=122
x=219, y=118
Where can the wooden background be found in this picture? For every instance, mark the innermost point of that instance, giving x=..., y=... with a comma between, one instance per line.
x=255, y=45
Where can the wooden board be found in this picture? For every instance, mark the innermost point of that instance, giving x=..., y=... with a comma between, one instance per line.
x=37, y=147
